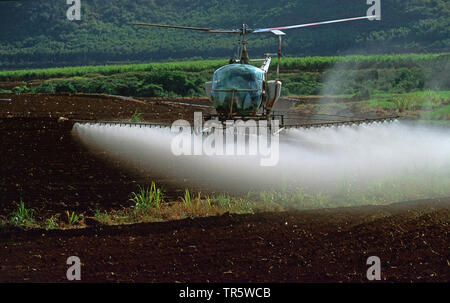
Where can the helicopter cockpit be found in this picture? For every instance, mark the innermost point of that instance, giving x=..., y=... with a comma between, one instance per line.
x=237, y=89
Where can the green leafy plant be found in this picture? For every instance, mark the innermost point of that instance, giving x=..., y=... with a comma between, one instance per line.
x=208, y=201
x=22, y=216
x=137, y=116
x=73, y=218
x=147, y=197
x=51, y=223
x=187, y=199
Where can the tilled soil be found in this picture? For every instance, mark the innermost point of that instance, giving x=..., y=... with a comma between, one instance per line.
x=44, y=166
x=307, y=246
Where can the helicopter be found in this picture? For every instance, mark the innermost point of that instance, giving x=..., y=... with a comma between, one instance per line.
x=240, y=90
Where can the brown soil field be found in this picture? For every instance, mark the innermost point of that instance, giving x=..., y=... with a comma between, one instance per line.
x=44, y=166
x=411, y=239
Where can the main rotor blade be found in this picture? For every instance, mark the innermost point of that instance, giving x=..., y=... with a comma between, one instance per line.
x=203, y=29
x=266, y=30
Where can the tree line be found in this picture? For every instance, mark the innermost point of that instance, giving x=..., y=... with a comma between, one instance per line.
x=38, y=34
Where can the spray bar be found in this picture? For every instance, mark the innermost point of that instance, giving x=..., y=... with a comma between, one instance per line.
x=285, y=126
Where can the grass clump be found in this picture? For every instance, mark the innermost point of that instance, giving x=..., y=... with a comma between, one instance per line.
x=137, y=116
x=403, y=103
x=150, y=197
x=22, y=216
x=73, y=218
x=102, y=217
x=193, y=206
x=230, y=204
x=187, y=199
x=51, y=223
x=147, y=209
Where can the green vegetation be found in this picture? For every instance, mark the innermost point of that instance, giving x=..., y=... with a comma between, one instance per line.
x=357, y=76
x=378, y=192
x=423, y=106
x=187, y=199
x=108, y=70
x=37, y=33
x=22, y=216
x=426, y=105
x=190, y=206
x=239, y=205
x=137, y=116
x=148, y=205
x=51, y=223
x=158, y=83
x=73, y=218
x=100, y=216
x=303, y=64
x=150, y=197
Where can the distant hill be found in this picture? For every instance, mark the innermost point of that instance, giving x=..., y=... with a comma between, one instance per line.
x=37, y=33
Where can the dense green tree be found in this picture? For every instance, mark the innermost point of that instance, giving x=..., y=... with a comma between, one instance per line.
x=37, y=33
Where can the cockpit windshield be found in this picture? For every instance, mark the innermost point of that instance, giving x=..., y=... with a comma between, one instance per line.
x=238, y=76
x=237, y=88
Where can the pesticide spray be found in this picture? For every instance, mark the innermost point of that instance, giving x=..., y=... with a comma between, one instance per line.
x=320, y=159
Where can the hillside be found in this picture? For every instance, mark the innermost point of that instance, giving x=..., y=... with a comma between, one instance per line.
x=38, y=34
